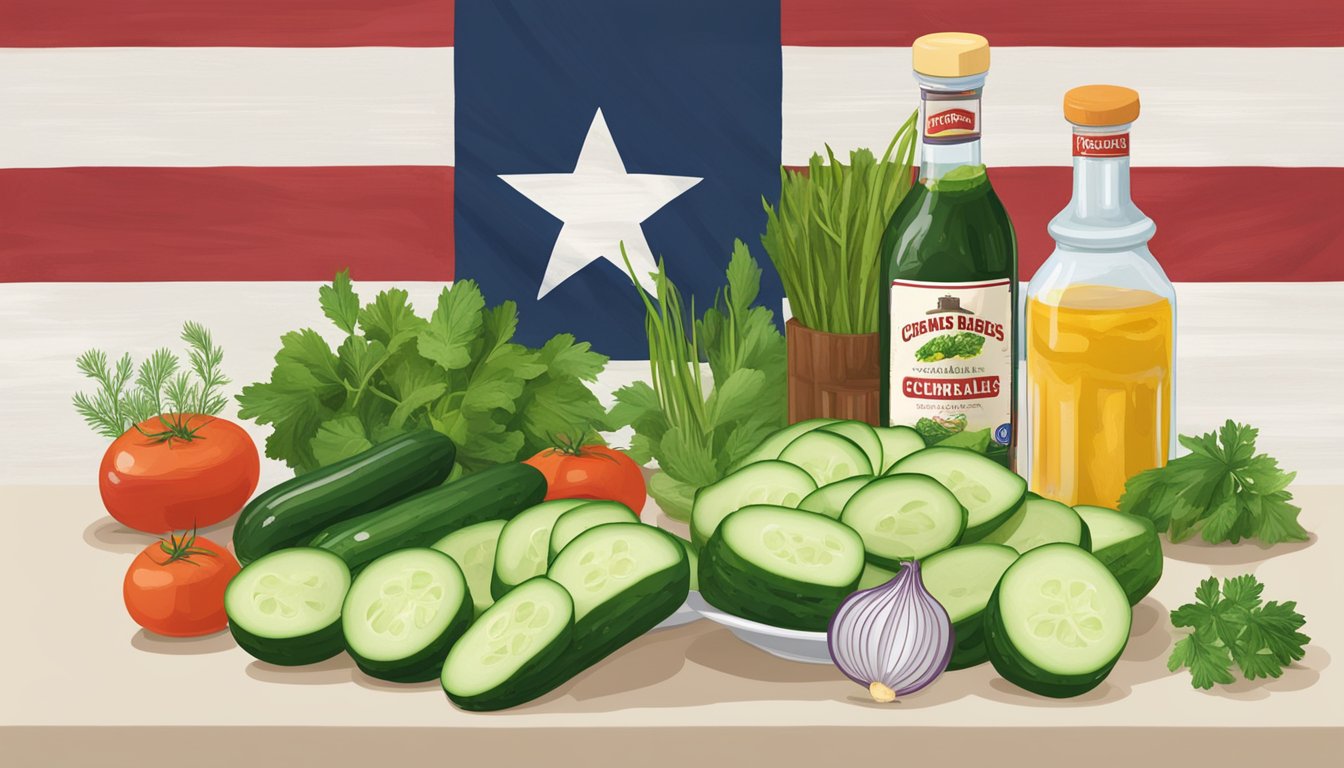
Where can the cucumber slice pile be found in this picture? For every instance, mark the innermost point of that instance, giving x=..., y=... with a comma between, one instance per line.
x=904, y=517
x=989, y=492
x=1128, y=546
x=772, y=446
x=579, y=519
x=874, y=576
x=473, y=549
x=830, y=500
x=765, y=482
x=861, y=435
x=1057, y=622
x=897, y=443
x=285, y=607
x=962, y=579
x=508, y=656
x=827, y=457
x=1040, y=521
x=403, y=613
x=525, y=543
x=781, y=566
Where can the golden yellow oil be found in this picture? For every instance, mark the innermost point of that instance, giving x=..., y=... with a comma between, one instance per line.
x=1099, y=372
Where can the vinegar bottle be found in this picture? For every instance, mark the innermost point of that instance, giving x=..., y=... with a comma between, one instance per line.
x=1100, y=325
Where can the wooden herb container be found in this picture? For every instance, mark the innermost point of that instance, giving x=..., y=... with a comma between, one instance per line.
x=832, y=375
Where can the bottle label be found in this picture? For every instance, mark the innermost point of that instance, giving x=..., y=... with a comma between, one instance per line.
x=951, y=358
x=951, y=120
x=1093, y=145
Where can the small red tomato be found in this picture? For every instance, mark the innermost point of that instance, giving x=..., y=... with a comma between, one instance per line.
x=175, y=587
x=591, y=472
x=178, y=471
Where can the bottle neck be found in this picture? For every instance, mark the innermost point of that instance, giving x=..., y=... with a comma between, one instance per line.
x=949, y=124
x=1101, y=171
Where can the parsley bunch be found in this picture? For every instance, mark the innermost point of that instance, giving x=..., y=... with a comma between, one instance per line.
x=1234, y=627
x=457, y=373
x=695, y=432
x=1222, y=489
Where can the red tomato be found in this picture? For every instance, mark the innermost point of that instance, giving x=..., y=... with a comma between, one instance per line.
x=591, y=472
x=157, y=485
x=176, y=587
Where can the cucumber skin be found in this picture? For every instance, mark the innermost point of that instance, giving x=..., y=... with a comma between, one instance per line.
x=530, y=682
x=292, y=651
x=974, y=533
x=300, y=507
x=1137, y=568
x=496, y=493
x=732, y=584
x=428, y=663
x=1016, y=669
x=968, y=649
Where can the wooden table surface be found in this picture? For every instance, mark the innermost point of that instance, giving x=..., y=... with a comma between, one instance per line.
x=84, y=684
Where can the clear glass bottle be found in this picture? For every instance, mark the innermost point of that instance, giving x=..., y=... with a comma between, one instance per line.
x=948, y=304
x=1100, y=323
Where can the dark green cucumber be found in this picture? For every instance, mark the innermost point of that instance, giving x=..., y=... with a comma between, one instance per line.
x=1127, y=545
x=495, y=493
x=962, y=579
x=293, y=511
x=625, y=578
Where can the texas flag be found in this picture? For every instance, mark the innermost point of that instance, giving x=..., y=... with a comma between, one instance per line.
x=163, y=160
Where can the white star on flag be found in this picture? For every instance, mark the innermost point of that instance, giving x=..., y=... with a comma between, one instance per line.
x=601, y=206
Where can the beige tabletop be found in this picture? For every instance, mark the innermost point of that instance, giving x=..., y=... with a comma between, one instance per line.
x=84, y=685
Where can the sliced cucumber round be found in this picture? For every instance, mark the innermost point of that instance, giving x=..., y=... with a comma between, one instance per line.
x=403, y=612
x=772, y=446
x=897, y=443
x=862, y=435
x=830, y=500
x=1057, y=622
x=989, y=492
x=765, y=482
x=874, y=576
x=1127, y=545
x=827, y=457
x=285, y=607
x=585, y=516
x=473, y=549
x=625, y=578
x=508, y=656
x=962, y=579
x=525, y=544
x=1039, y=521
x=781, y=566
x=904, y=517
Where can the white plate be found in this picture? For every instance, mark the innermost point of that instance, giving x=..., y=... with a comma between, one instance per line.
x=791, y=644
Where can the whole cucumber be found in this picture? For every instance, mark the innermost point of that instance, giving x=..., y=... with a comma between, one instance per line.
x=495, y=493
x=293, y=511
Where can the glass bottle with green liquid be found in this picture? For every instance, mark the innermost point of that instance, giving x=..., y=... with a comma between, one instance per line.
x=949, y=261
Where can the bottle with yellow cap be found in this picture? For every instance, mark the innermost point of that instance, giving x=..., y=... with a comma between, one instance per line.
x=1101, y=314
x=949, y=270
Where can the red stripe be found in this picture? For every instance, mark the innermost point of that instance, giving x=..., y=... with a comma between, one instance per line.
x=281, y=23
x=1157, y=23
x=1243, y=224
x=159, y=224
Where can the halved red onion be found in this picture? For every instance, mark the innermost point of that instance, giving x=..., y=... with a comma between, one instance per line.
x=893, y=639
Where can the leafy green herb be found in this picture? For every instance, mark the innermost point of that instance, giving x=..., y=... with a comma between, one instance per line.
x=1235, y=628
x=457, y=372
x=128, y=395
x=1222, y=489
x=696, y=436
x=938, y=428
x=963, y=345
x=824, y=238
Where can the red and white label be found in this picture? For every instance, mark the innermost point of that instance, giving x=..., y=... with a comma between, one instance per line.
x=1108, y=145
x=951, y=357
x=949, y=121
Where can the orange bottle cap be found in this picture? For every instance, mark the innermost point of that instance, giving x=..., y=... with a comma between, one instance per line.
x=951, y=54
x=1101, y=105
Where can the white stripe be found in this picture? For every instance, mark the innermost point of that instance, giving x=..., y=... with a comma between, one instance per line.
x=226, y=106
x=1201, y=106
x=1250, y=352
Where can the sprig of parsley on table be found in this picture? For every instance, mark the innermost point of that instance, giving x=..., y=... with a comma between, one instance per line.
x=457, y=372
x=1235, y=628
x=1222, y=489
